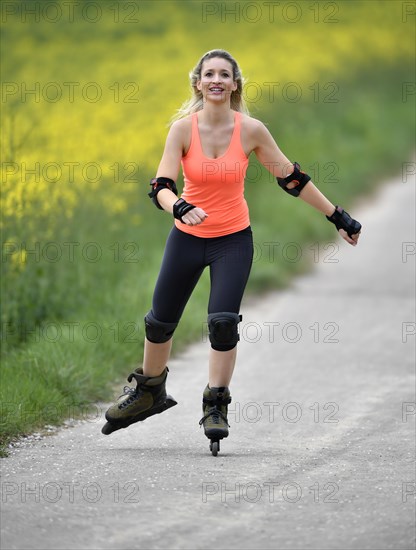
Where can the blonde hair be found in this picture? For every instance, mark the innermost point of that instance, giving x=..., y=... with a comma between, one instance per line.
x=195, y=103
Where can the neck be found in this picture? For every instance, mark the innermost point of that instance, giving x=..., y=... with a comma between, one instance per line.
x=216, y=114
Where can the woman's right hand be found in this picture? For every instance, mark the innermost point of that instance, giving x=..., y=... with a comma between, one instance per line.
x=194, y=216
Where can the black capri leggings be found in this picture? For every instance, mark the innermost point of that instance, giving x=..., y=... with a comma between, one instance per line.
x=229, y=259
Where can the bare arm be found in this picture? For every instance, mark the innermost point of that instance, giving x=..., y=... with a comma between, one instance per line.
x=279, y=165
x=169, y=168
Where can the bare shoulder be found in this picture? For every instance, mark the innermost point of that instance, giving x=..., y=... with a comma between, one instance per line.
x=250, y=122
x=181, y=126
x=253, y=127
x=254, y=132
x=180, y=132
x=182, y=123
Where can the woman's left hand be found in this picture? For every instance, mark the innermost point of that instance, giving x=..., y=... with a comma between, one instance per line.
x=352, y=240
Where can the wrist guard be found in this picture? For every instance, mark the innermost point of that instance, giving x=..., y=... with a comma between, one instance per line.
x=180, y=208
x=299, y=178
x=157, y=185
x=342, y=220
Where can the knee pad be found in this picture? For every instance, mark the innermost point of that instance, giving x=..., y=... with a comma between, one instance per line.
x=223, y=331
x=158, y=332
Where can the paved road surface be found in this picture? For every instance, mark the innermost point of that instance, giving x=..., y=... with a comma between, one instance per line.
x=321, y=451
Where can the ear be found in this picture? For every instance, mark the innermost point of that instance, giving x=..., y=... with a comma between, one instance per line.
x=198, y=85
x=235, y=86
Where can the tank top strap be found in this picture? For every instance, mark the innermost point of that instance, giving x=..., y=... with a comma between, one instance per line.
x=237, y=122
x=195, y=141
x=194, y=123
x=235, y=145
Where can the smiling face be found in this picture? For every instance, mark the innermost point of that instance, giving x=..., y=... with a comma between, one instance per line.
x=216, y=82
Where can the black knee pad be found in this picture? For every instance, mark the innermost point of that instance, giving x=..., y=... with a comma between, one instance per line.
x=158, y=332
x=223, y=331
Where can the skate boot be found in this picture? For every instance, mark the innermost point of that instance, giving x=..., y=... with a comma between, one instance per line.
x=135, y=404
x=215, y=407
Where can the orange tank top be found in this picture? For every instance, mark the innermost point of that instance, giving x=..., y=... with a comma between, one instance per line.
x=216, y=185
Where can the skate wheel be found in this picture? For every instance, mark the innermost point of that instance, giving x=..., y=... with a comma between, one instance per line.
x=214, y=447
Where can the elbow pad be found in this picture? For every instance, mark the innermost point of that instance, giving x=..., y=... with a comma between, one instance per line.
x=299, y=178
x=157, y=184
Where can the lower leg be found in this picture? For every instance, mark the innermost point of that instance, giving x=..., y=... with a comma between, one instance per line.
x=155, y=357
x=217, y=395
x=221, y=367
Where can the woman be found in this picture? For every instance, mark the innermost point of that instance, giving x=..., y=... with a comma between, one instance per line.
x=212, y=137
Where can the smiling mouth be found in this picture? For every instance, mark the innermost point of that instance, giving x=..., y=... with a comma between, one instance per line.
x=216, y=89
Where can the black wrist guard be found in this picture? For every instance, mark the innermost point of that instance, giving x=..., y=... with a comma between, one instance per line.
x=299, y=178
x=157, y=185
x=342, y=220
x=180, y=208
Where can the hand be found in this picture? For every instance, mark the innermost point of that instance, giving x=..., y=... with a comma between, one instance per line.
x=353, y=239
x=194, y=216
x=348, y=228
